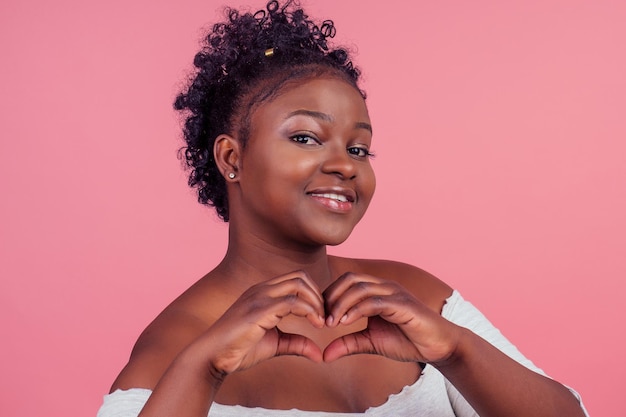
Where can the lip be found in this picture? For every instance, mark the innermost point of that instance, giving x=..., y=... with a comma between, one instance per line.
x=335, y=199
x=348, y=193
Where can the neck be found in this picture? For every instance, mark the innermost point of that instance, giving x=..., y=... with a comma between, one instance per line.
x=250, y=259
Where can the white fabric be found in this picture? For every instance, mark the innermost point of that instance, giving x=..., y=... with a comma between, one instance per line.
x=430, y=396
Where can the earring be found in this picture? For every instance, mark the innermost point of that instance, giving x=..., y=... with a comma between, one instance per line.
x=231, y=175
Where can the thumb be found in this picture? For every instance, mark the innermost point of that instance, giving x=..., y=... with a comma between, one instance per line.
x=350, y=344
x=298, y=345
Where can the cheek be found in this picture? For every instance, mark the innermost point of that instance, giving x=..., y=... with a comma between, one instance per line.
x=304, y=165
x=278, y=170
x=293, y=165
x=369, y=182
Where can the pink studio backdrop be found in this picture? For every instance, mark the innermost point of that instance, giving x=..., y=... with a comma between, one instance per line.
x=500, y=134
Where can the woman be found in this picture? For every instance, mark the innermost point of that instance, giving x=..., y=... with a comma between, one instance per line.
x=278, y=141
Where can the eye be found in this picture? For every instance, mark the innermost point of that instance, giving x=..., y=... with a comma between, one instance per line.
x=360, y=152
x=304, y=139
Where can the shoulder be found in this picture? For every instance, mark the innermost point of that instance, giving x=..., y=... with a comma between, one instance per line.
x=427, y=288
x=170, y=332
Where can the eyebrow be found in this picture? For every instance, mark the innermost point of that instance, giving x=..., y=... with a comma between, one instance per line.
x=326, y=117
x=363, y=125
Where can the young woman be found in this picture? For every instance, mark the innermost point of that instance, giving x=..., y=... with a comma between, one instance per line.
x=278, y=141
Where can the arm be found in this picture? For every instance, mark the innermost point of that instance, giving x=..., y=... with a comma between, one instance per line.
x=402, y=328
x=464, y=314
x=496, y=385
x=243, y=336
x=186, y=388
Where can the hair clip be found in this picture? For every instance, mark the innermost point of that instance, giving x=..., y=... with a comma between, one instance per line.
x=269, y=52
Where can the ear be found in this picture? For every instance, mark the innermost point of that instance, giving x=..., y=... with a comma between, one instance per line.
x=227, y=154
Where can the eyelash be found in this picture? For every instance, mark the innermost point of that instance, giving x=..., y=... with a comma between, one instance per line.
x=357, y=151
x=361, y=152
x=296, y=138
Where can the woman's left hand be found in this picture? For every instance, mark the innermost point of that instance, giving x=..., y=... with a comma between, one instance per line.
x=400, y=327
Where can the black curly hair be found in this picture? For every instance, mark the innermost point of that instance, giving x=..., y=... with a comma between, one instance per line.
x=243, y=62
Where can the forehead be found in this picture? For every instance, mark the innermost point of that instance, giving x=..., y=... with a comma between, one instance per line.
x=328, y=95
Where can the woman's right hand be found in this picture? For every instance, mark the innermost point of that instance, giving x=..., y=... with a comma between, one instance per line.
x=246, y=334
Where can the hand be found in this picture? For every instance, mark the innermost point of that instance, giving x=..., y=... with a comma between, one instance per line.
x=247, y=334
x=399, y=326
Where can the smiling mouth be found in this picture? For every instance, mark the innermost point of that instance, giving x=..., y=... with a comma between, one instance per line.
x=340, y=203
x=338, y=197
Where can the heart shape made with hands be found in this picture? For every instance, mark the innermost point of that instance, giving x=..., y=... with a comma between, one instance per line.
x=321, y=337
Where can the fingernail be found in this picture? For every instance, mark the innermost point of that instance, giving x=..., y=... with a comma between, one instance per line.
x=344, y=318
x=329, y=320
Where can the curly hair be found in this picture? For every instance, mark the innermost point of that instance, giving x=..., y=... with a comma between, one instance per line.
x=243, y=62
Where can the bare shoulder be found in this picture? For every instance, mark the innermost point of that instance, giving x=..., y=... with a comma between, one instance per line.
x=157, y=347
x=171, y=332
x=424, y=286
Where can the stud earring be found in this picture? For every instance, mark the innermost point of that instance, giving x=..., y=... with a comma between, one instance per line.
x=231, y=175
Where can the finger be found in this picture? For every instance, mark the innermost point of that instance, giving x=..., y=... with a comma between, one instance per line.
x=292, y=304
x=297, y=287
x=387, y=341
x=334, y=290
x=263, y=296
x=357, y=292
x=350, y=344
x=399, y=309
x=298, y=345
x=268, y=312
x=273, y=343
x=298, y=275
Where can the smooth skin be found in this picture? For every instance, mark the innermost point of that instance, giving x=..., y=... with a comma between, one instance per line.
x=280, y=324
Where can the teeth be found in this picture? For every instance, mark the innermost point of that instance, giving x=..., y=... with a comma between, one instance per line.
x=337, y=197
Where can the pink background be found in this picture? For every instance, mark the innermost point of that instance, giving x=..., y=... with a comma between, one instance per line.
x=500, y=134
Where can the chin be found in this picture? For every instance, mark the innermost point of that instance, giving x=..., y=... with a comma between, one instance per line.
x=328, y=233
x=334, y=239
x=336, y=242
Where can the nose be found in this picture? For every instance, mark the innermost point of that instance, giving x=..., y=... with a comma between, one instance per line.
x=340, y=163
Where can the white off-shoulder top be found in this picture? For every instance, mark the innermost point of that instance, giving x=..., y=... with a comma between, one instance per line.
x=432, y=395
